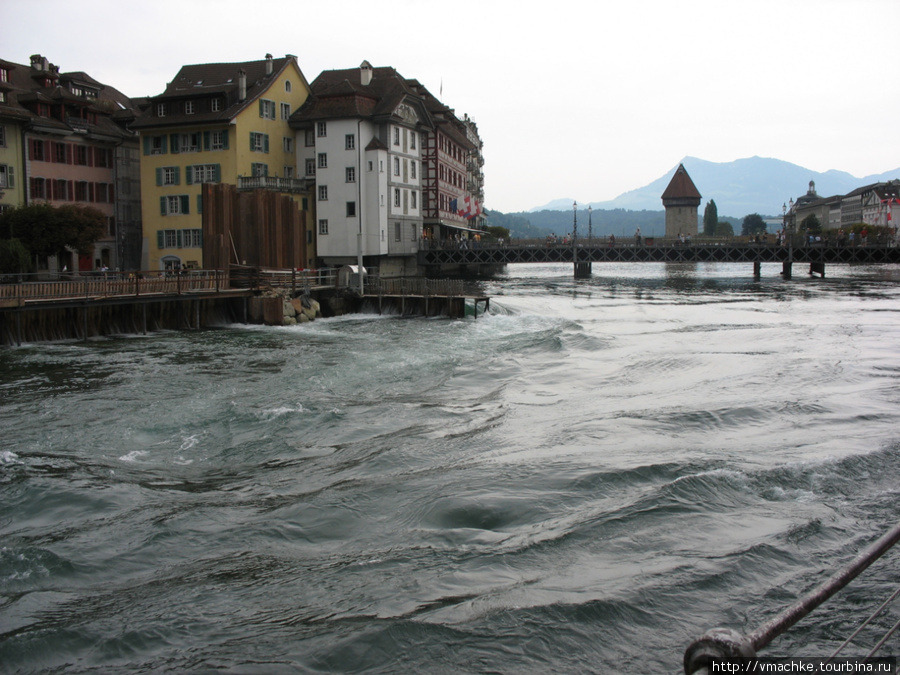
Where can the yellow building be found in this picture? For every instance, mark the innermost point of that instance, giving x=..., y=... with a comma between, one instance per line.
x=215, y=123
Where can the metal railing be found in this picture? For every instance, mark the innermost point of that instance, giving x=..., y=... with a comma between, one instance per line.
x=728, y=646
x=18, y=289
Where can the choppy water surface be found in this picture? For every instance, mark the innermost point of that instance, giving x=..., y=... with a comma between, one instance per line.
x=584, y=480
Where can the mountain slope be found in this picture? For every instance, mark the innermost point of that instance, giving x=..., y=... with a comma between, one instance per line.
x=752, y=185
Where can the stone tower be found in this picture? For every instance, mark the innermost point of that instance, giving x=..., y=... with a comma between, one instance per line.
x=681, y=200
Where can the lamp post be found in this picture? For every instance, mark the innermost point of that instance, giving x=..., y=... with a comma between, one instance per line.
x=574, y=223
x=590, y=233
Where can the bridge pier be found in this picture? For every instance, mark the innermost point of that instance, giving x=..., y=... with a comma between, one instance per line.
x=582, y=270
x=757, y=269
x=786, y=269
x=817, y=268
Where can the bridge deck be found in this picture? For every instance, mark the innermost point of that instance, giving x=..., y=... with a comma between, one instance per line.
x=691, y=253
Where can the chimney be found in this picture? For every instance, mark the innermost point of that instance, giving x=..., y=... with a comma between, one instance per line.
x=268, y=64
x=242, y=84
x=365, y=73
x=39, y=63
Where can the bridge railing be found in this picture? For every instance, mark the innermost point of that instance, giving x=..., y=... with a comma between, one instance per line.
x=21, y=288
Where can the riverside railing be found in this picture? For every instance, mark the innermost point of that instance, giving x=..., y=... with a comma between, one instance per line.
x=723, y=645
x=18, y=289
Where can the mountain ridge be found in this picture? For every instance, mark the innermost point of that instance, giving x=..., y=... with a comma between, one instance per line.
x=740, y=187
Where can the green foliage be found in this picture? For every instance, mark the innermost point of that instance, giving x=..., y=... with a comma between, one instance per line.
x=753, y=224
x=497, y=232
x=811, y=224
x=724, y=229
x=710, y=219
x=45, y=230
x=14, y=257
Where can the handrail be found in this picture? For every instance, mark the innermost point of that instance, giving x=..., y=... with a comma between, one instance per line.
x=727, y=645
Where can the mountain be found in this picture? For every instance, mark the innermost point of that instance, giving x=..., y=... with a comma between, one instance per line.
x=752, y=185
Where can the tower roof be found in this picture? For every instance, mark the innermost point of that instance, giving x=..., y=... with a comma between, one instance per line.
x=681, y=186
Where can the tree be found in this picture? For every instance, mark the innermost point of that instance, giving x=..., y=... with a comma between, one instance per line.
x=14, y=257
x=710, y=219
x=498, y=232
x=46, y=231
x=753, y=224
x=811, y=224
x=724, y=229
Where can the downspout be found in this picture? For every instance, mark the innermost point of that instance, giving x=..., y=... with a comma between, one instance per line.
x=359, y=210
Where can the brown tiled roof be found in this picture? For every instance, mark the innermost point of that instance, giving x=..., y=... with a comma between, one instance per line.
x=213, y=79
x=681, y=186
x=23, y=90
x=340, y=94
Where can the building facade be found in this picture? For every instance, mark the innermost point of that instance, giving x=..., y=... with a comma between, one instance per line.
x=215, y=123
x=61, y=138
x=361, y=138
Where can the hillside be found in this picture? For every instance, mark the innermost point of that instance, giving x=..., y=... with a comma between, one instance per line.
x=752, y=185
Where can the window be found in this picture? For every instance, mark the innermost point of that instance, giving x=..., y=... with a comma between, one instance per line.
x=259, y=169
x=350, y=142
x=412, y=140
x=167, y=175
x=322, y=160
x=190, y=107
x=412, y=169
x=103, y=157
x=170, y=239
x=396, y=196
x=218, y=140
x=323, y=226
x=82, y=191
x=6, y=176
x=173, y=205
x=189, y=142
x=287, y=144
x=321, y=129
x=160, y=109
x=310, y=167
x=82, y=157
x=285, y=111
x=259, y=142
x=414, y=233
x=371, y=165
x=203, y=173
x=192, y=238
x=288, y=171
x=287, y=86
x=267, y=109
x=351, y=174
x=413, y=199
x=351, y=209
x=398, y=234
x=37, y=150
x=215, y=104
x=60, y=153
x=2, y=136
x=396, y=166
x=323, y=193
x=310, y=139
x=38, y=188
x=396, y=136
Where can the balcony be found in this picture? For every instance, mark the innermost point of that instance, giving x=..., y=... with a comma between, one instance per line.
x=274, y=183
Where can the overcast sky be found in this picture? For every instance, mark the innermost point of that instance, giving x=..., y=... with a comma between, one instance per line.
x=573, y=99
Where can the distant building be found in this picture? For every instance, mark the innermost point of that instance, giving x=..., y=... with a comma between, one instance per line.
x=64, y=139
x=875, y=204
x=216, y=123
x=681, y=199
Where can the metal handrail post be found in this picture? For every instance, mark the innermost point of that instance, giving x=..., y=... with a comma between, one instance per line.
x=728, y=645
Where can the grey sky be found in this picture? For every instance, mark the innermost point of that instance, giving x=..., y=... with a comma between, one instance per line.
x=572, y=99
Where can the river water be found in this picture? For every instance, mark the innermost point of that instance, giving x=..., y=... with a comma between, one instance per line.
x=582, y=481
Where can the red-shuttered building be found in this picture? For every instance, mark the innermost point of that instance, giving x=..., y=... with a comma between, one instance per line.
x=77, y=149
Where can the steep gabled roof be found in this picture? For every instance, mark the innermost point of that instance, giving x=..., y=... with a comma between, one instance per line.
x=341, y=94
x=207, y=80
x=681, y=186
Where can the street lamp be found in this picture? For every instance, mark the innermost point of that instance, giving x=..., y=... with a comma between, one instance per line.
x=574, y=222
x=590, y=233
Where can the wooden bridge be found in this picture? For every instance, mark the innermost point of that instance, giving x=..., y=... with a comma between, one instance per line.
x=583, y=254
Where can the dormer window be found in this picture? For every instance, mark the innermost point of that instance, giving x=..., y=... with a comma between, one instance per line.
x=215, y=105
x=4, y=75
x=189, y=108
x=160, y=109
